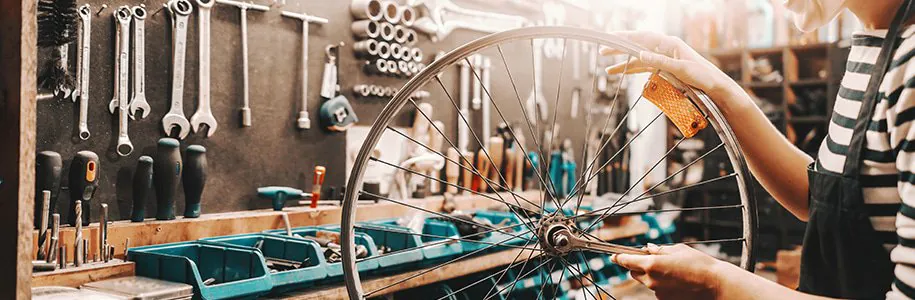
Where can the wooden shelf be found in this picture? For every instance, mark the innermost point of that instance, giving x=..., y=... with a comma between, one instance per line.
x=463, y=267
x=89, y=272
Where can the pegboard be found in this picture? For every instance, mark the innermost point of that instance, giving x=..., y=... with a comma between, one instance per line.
x=272, y=151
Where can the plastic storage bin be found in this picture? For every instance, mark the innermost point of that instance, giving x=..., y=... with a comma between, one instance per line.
x=335, y=270
x=286, y=248
x=403, y=246
x=239, y=272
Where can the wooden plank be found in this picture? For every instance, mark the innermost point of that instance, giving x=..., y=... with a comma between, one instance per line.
x=18, y=53
x=630, y=227
x=152, y=232
x=74, y=277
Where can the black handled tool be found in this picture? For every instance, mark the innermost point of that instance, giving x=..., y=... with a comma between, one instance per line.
x=194, y=178
x=166, y=174
x=142, y=187
x=83, y=182
x=48, y=166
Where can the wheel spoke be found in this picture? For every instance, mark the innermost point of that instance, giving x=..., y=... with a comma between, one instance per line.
x=440, y=214
x=444, y=241
x=641, y=212
x=548, y=277
x=420, y=273
x=503, y=272
x=568, y=266
x=523, y=275
x=494, y=286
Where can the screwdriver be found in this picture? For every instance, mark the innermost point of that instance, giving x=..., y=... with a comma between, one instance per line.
x=167, y=174
x=316, y=185
x=194, y=178
x=48, y=166
x=142, y=186
x=83, y=183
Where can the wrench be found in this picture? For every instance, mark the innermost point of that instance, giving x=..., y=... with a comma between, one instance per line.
x=203, y=115
x=122, y=46
x=138, y=100
x=441, y=17
x=82, y=73
x=476, y=101
x=180, y=9
x=243, y=8
x=303, y=122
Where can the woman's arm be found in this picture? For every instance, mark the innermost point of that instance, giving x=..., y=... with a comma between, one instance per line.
x=681, y=272
x=780, y=166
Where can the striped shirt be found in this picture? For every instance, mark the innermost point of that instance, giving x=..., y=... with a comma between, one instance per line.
x=889, y=158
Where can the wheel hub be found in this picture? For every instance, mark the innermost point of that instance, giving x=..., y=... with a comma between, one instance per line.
x=555, y=235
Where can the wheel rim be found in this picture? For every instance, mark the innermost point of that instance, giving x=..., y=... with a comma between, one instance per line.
x=740, y=173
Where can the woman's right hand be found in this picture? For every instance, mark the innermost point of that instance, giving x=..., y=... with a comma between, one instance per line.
x=671, y=54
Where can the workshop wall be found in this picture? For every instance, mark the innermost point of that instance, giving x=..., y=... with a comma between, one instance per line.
x=272, y=151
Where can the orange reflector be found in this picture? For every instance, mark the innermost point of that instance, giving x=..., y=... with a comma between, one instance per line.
x=675, y=105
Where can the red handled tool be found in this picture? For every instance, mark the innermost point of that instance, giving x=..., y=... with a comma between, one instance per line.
x=316, y=185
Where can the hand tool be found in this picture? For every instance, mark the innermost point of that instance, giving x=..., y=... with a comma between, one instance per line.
x=384, y=50
x=142, y=187
x=303, y=121
x=203, y=115
x=243, y=8
x=441, y=17
x=103, y=234
x=386, y=32
x=366, y=29
x=83, y=183
x=435, y=142
x=110, y=254
x=280, y=194
x=63, y=256
x=86, y=251
x=167, y=168
x=43, y=225
x=520, y=162
x=365, y=49
x=366, y=9
x=336, y=113
x=483, y=166
x=82, y=72
x=286, y=224
x=78, y=234
x=536, y=104
x=126, y=246
x=407, y=16
x=476, y=101
x=485, y=65
x=452, y=171
x=576, y=98
x=48, y=166
x=57, y=21
x=55, y=237
x=194, y=178
x=138, y=101
x=42, y=266
x=511, y=159
x=496, y=148
x=390, y=12
x=317, y=182
x=180, y=10
x=120, y=101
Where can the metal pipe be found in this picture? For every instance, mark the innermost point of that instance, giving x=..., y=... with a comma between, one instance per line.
x=366, y=9
x=417, y=54
x=384, y=50
x=400, y=34
x=391, y=12
x=406, y=53
x=366, y=48
x=364, y=29
x=411, y=37
x=392, y=67
x=396, y=51
x=407, y=15
x=387, y=32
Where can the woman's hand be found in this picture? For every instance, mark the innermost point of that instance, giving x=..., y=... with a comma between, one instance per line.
x=671, y=54
x=674, y=272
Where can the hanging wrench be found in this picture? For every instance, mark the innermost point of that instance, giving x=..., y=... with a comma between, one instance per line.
x=180, y=10
x=138, y=101
x=243, y=9
x=85, y=14
x=535, y=102
x=303, y=122
x=476, y=101
x=122, y=45
x=203, y=115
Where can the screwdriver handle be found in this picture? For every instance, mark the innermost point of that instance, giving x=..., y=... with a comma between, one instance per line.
x=142, y=187
x=167, y=169
x=48, y=167
x=83, y=183
x=316, y=185
x=194, y=178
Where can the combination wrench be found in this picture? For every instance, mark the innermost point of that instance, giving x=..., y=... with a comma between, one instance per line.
x=122, y=47
x=180, y=10
x=138, y=99
x=82, y=73
x=243, y=8
x=303, y=122
x=204, y=115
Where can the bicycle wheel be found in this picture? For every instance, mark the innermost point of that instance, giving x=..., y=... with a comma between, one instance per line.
x=540, y=238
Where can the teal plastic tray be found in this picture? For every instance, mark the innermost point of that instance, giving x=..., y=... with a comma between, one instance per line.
x=287, y=248
x=335, y=270
x=432, y=291
x=404, y=247
x=239, y=273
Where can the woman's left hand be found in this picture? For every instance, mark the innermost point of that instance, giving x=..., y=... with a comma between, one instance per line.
x=674, y=272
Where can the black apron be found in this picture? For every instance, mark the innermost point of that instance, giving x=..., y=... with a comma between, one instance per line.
x=842, y=256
